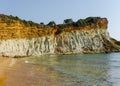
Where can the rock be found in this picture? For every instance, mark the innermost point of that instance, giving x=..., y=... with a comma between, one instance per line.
x=36, y=41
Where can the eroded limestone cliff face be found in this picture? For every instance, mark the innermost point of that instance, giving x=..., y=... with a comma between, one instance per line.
x=92, y=38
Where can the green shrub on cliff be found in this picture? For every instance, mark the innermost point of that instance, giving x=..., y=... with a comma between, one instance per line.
x=14, y=17
x=62, y=25
x=118, y=43
x=51, y=23
x=68, y=21
x=87, y=21
x=81, y=22
x=59, y=30
x=41, y=23
x=10, y=19
x=92, y=19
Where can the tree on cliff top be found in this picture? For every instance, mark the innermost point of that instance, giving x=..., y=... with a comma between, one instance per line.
x=51, y=23
x=68, y=21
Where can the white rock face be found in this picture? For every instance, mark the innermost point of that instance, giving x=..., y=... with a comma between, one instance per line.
x=66, y=42
x=82, y=41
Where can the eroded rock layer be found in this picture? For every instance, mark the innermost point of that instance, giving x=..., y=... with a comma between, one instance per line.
x=20, y=40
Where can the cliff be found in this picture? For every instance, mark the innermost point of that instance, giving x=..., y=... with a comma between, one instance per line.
x=26, y=38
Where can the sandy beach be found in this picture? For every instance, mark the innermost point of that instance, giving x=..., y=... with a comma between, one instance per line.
x=16, y=72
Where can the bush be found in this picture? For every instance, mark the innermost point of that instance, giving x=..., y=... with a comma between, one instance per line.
x=31, y=23
x=62, y=25
x=81, y=22
x=41, y=23
x=59, y=30
x=51, y=23
x=68, y=21
x=118, y=43
x=87, y=21
x=92, y=19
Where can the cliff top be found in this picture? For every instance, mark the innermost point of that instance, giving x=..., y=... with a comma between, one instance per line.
x=14, y=27
x=67, y=22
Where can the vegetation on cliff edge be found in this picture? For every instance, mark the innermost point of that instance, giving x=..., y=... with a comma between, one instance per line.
x=14, y=27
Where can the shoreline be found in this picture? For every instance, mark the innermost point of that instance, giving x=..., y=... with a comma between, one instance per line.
x=67, y=53
x=12, y=74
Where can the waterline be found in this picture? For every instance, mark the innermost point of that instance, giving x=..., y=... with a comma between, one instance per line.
x=83, y=70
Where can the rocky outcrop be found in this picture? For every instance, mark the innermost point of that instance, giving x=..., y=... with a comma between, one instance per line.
x=83, y=41
x=92, y=41
x=92, y=38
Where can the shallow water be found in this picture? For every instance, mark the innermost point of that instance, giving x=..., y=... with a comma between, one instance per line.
x=81, y=70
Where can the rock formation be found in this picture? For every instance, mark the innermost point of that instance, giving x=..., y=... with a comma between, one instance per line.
x=26, y=38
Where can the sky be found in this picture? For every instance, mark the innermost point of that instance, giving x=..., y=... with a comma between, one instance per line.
x=59, y=10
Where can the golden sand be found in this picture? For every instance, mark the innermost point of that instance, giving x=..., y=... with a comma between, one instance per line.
x=15, y=72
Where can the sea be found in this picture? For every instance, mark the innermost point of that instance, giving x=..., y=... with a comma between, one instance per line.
x=81, y=69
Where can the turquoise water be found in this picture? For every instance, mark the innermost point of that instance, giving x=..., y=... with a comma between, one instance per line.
x=81, y=70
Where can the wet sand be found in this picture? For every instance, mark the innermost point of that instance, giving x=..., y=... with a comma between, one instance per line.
x=4, y=64
x=15, y=72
